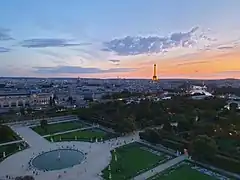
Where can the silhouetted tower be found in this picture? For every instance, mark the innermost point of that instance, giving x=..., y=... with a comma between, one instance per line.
x=154, y=72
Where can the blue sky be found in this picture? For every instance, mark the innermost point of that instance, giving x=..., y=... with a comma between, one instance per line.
x=60, y=34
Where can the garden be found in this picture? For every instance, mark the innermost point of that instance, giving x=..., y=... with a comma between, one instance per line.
x=7, y=134
x=131, y=160
x=89, y=135
x=57, y=127
x=188, y=171
x=11, y=149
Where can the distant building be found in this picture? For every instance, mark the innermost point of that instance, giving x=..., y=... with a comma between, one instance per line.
x=199, y=92
x=88, y=96
x=23, y=100
x=230, y=102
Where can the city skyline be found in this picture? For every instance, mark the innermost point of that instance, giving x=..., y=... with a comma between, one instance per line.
x=120, y=39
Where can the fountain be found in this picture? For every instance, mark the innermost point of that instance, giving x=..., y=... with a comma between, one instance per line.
x=59, y=156
x=57, y=159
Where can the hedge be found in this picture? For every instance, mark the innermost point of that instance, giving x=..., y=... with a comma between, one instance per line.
x=173, y=145
x=223, y=162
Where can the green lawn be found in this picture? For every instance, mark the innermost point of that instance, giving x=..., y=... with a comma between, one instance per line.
x=9, y=135
x=58, y=127
x=85, y=135
x=10, y=149
x=131, y=160
x=183, y=172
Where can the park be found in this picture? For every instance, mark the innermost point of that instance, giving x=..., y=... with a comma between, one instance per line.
x=115, y=145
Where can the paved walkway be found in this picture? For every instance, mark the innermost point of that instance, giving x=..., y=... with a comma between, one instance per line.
x=123, y=140
x=32, y=138
x=160, y=168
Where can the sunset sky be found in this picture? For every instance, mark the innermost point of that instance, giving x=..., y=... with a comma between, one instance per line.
x=109, y=39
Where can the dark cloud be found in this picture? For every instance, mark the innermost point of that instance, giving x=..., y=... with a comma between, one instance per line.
x=134, y=45
x=230, y=72
x=4, y=34
x=78, y=70
x=42, y=43
x=190, y=63
x=3, y=49
x=226, y=47
x=114, y=60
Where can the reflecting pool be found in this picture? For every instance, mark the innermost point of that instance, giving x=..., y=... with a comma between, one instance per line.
x=58, y=159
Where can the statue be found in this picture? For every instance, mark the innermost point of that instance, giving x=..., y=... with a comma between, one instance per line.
x=115, y=157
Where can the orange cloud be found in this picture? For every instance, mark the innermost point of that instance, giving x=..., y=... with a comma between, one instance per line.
x=207, y=64
x=204, y=64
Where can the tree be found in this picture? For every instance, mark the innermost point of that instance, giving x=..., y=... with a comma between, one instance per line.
x=29, y=110
x=22, y=111
x=167, y=126
x=50, y=101
x=203, y=147
x=233, y=106
x=19, y=178
x=127, y=125
x=184, y=124
x=28, y=177
x=201, y=128
x=43, y=124
x=151, y=135
x=11, y=111
x=70, y=100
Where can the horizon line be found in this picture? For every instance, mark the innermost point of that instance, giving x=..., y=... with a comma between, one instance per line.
x=170, y=78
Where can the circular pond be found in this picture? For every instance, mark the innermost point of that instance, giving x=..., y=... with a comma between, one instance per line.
x=58, y=159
